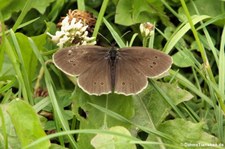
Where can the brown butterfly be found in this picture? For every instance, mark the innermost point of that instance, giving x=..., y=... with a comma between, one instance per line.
x=102, y=70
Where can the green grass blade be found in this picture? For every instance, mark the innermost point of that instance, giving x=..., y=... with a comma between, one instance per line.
x=81, y=4
x=52, y=95
x=185, y=82
x=3, y=129
x=100, y=17
x=221, y=66
x=181, y=31
x=14, y=60
x=115, y=35
x=24, y=76
x=167, y=99
x=25, y=10
x=123, y=119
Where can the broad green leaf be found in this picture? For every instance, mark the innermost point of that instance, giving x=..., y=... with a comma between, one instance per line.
x=10, y=6
x=151, y=107
x=92, y=118
x=181, y=60
x=26, y=123
x=13, y=141
x=188, y=133
x=30, y=61
x=211, y=8
x=106, y=141
x=129, y=12
x=7, y=67
x=56, y=146
x=29, y=57
x=204, y=41
x=5, y=64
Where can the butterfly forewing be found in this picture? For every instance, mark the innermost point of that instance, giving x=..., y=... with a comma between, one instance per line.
x=75, y=60
x=150, y=62
x=89, y=63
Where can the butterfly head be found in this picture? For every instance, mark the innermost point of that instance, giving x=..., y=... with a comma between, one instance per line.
x=113, y=53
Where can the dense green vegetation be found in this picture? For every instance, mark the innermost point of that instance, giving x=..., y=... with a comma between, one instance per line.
x=41, y=107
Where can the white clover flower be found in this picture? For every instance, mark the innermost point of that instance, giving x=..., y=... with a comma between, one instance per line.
x=72, y=30
x=73, y=21
x=57, y=36
x=85, y=34
x=62, y=41
x=84, y=28
x=65, y=21
x=147, y=29
x=78, y=25
x=92, y=39
x=84, y=43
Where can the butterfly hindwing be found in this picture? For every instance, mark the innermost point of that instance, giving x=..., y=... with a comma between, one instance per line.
x=97, y=79
x=128, y=80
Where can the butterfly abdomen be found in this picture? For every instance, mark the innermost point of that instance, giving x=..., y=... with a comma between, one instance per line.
x=112, y=62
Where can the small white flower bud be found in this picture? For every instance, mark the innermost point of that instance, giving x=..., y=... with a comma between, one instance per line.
x=146, y=29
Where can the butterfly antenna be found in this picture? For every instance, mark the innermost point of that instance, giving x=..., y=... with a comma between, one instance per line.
x=125, y=34
x=104, y=38
x=114, y=43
